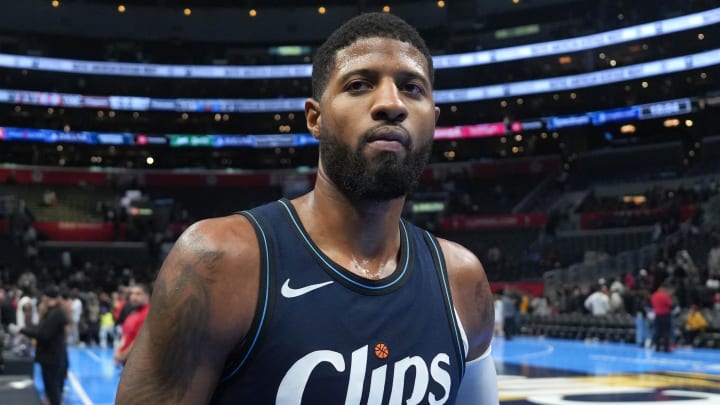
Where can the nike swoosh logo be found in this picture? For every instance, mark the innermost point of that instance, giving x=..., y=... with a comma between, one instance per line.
x=289, y=292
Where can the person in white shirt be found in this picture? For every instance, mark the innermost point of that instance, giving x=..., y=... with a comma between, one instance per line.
x=76, y=307
x=713, y=260
x=20, y=320
x=498, y=329
x=598, y=303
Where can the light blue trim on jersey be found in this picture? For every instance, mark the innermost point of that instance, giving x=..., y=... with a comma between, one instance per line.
x=267, y=293
x=446, y=289
x=338, y=272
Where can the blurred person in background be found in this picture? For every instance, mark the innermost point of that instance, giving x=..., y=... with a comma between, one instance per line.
x=121, y=309
x=498, y=306
x=598, y=303
x=7, y=312
x=662, y=304
x=510, y=312
x=91, y=319
x=76, y=305
x=616, y=301
x=540, y=306
x=645, y=280
x=51, y=349
x=140, y=301
x=7, y=317
x=695, y=324
x=107, y=321
x=644, y=317
x=26, y=315
x=713, y=260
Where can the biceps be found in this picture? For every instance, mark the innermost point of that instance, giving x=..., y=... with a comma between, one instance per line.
x=176, y=349
x=147, y=379
x=170, y=365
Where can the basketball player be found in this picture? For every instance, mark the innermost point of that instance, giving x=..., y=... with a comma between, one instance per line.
x=330, y=298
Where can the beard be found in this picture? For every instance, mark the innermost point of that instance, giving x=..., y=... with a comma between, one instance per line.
x=383, y=177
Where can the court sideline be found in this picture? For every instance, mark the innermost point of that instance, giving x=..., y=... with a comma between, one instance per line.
x=532, y=371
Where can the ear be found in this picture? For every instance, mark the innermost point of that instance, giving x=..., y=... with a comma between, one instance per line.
x=312, y=117
x=437, y=113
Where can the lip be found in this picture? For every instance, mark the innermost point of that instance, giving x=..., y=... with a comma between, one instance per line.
x=386, y=146
x=387, y=133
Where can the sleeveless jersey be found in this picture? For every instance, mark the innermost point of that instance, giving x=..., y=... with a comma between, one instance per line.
x=323, y=335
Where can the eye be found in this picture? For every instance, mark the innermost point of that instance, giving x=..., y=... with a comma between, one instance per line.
x=413, y=88
x=358, y=85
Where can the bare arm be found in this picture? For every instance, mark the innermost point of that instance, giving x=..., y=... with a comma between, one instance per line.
x=471, y=296
x=474, y=304
x=202, y=305
x=120, y=355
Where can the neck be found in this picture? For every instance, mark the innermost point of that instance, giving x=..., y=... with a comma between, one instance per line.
x=364, y=237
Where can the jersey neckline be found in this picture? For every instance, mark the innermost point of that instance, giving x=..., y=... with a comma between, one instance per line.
x=344, y=276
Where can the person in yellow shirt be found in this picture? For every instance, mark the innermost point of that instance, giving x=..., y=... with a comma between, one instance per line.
x=107, y=321
x=524, y=303
x=695, y=324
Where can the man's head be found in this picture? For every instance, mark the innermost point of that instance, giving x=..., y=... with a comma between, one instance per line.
x=51, y=295
x=139, y=295
x=372, y=108
x=370, y=25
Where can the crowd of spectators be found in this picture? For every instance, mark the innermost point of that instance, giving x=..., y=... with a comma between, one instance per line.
x=674, y=301
x=95, y=295
x=96, y=287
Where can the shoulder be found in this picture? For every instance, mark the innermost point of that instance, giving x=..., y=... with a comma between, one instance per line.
x=218, y=235
x=58, y=312
x=213, y=250
x=472, y=297
x=202, y=305
x=213, y=265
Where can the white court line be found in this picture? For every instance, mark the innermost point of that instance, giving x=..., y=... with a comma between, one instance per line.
x=548, y=349
x=695, y=364
x=93, y=355
x=79, y=389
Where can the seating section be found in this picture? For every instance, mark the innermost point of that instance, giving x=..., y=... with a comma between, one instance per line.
x=612, y=328
x=62, y=203
x=505, y=253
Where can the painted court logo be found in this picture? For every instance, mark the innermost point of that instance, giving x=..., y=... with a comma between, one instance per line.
x=391, y=375
x=645, y=389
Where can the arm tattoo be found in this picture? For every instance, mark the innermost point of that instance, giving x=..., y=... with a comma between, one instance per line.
x=484, y=303
x=180, y=317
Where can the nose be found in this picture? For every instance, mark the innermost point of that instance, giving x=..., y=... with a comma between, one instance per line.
x=388, y=104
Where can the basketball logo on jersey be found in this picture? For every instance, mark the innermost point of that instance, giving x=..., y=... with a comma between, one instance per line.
x=292, y=386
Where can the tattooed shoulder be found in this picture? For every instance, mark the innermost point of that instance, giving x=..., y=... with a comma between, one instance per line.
x=202, y=304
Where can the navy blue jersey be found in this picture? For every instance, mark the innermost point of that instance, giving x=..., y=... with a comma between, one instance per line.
x=323, y=335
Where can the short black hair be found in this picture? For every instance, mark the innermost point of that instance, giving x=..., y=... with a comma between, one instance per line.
x=147, y=288
x=369, y=25
x=51, y=291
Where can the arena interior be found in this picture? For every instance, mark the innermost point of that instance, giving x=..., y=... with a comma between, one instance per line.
x=577, y=153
